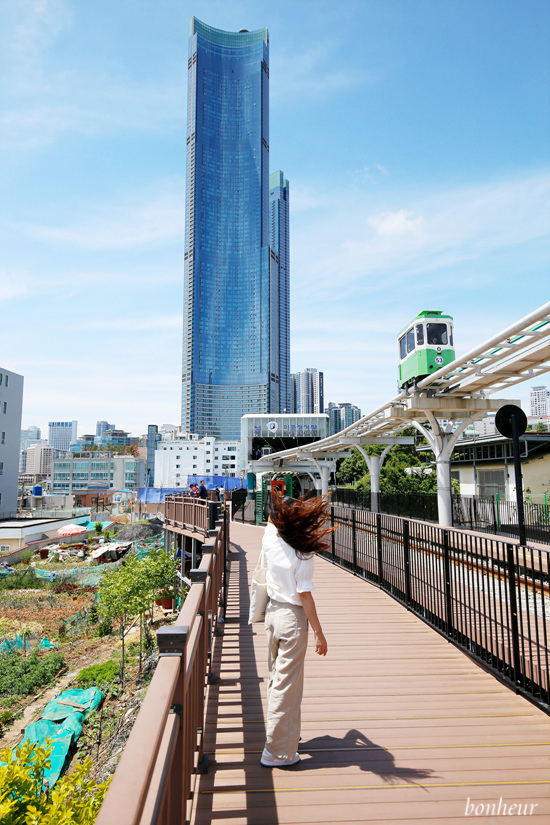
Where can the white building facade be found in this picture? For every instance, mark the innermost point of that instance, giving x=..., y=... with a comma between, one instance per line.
x=39, y=460
x=98, y=472
x=11, y=404
x=538, y=398
x=183, y=455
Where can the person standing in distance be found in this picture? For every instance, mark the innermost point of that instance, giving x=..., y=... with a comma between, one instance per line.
x=294, y=533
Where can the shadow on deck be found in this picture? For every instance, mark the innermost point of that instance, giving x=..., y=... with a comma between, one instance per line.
x=397, y=724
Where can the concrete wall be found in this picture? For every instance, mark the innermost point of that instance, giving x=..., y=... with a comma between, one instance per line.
x=11, y=404
x=535, y=472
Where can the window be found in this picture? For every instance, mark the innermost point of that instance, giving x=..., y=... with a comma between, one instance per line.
x=491, y=482
x=6, y=381
x=419, y=335
x=5, y=407
x=1, y=468
x=437, y=334
x=402, y=347
x=4, y=548
x=410, y=340
x=3, y=439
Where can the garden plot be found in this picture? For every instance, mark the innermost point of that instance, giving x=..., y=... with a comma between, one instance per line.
x=42, y=612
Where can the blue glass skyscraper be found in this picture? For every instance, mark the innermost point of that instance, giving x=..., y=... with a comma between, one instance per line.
x=280, y=298
x=231, y=359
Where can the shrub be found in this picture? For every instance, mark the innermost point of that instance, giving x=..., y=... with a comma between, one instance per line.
x=26, y=800
x=20, y=676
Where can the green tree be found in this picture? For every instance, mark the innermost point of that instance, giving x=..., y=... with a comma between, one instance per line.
x=351, y=468
x=402, y=471
x=130, y=589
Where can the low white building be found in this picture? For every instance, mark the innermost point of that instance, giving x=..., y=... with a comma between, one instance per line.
x=11, y=404
x=185, y=454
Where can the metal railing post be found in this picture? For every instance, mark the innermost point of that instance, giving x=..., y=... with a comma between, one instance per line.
x=332, y=537
x=514, y=629
x=406, y=562
x=449, y=624
x=354, y=540
x=379, y=548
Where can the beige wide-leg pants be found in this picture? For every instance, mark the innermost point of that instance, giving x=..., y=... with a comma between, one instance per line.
x=287, y=630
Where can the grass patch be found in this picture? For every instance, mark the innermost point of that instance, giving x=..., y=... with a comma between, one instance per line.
x=102, y=676
x=23, y=580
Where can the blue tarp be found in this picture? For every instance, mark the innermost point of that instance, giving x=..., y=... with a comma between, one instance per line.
x=156, y=495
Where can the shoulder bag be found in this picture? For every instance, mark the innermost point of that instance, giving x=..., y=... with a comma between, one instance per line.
x=258, y=591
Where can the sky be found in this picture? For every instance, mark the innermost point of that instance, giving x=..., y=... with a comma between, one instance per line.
x=415, y=135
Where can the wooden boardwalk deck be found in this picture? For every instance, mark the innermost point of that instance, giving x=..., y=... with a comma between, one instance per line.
x=398, y=725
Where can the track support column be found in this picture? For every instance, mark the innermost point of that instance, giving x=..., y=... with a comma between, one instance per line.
x=374, y=464
x=443, y=443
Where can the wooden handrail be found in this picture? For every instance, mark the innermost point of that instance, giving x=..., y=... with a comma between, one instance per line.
x=152, y=782
x=187, y=512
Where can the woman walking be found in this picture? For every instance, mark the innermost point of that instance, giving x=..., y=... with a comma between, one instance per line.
x=295, y=532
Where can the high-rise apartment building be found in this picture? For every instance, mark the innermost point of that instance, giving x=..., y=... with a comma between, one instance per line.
x=342, y=416
x=30, y=435
x=153, y=437
x=61, y=433
x=307, y=392
x=231, y=329
x=102, y=426
x=11, y=404
x=538, y=398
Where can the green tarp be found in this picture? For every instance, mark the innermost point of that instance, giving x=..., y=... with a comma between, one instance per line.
x=61, y=723
x=19, y=643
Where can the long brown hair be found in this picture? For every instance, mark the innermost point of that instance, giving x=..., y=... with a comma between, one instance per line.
x=301, y=522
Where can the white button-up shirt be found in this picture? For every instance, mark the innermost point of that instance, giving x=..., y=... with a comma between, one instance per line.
x=287, y=575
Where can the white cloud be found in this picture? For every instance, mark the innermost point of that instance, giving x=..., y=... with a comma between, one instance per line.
x=43, y=102
x=422, y=235
x=136, y=324
x=144, y=217
x=13, y=284
x=304, y=72
x=391, y=224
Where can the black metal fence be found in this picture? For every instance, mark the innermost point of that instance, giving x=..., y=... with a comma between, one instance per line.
x=243, y=508
x=488, y=597
x=495, y=516
x=407, y=505
x=488, y=515
x=238, y=499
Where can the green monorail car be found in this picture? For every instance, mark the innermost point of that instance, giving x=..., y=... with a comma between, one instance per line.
x=424, y=346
